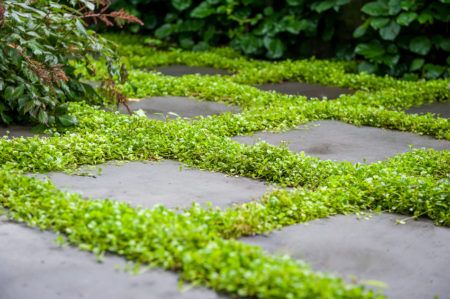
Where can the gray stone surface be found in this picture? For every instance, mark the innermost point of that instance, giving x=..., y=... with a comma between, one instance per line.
x=306, y=89
x=181, y=70
x=159, y=107
x=412, y=259
x=334, y=140
x=147, y=184
x=441, y=109
x=32, y=266
x=17, y=131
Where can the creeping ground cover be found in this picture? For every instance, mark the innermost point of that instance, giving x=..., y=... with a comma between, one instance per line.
x=201, y=243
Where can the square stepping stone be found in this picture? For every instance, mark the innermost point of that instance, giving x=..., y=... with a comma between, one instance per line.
x=441, y=109
x=15, y=131
x=161, y=108
x=412, y=259
x=334, y=140
x=33, y=266
x=166, y=182
x=181, y=70
x=306, y=89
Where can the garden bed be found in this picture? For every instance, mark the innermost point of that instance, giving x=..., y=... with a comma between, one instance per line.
x=202, y=243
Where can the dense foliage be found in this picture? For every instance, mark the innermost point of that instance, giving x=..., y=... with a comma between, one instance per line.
x=398, y=37
x=260, y=28
x=406, y=37
x=37, y=41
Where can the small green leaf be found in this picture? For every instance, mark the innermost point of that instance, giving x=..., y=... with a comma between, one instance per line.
x=391, y=31
x=394, y=7
x=202, y=11
x=164, y=31
x=371, y=50
x=376, y=8
x=80, y=27
x=321, y=6
x=43, y=116
x=425, y=17
x=361, y=30
x=379, y=22
x=275, y=47
x=181, y=4
x=420, y=45
x=405, y=18
x=416, y=64
x=67, y=120
x=433, y=71
x=366, y=67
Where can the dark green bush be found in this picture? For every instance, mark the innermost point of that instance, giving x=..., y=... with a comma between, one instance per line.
x=396, y=37
x=260, y=28
x=405, y=37
x=37, y=41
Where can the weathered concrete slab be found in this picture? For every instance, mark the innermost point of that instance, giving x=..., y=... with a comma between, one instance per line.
x=33, y=266
x=306, y=89
x=181, y=70
x=441, y=109
x=334, y=140
x=412, y=259
x=164, y=182
x=15, y=131
x=163, y=107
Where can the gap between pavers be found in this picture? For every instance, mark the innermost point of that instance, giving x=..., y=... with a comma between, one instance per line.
x=33, y=266
x=413, y=259
x=441, y=109
x=181, y=70
x=161, y=108
x=338, y=141
x=164, y=182
x=309, y=90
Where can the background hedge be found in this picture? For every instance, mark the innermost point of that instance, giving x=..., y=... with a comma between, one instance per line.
x=398, y=37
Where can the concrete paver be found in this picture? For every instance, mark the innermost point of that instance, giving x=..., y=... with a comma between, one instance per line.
x=181, y=70
x=163, y=107
x=33, y=266
x=307, y=89
x=334, y=140
x=164, y=182
x=412, y=259
x=441, y=109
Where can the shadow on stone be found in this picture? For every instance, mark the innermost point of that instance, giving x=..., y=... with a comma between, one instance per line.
x=15, y=131
x=181, y=70
x=306, y=89
x=171, y=107
x=334, y=140
x=33, y=266
x=441, y=109
x=165, y=182
x=412, y=259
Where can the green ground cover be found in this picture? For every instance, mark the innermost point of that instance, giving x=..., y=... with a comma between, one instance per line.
x=200, y=242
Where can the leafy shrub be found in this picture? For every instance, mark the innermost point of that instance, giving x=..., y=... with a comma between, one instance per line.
x=37, y=40
x=256, y=27
x=405, y=37
x=397, y=37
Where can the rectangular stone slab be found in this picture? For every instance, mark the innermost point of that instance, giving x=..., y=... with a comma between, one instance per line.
x=181, y=70
x=334, y=140
x=160, y=107
x=34, y=267
x=309, y=90
x=166, y=182
x=412, y=259
x=441, y=109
